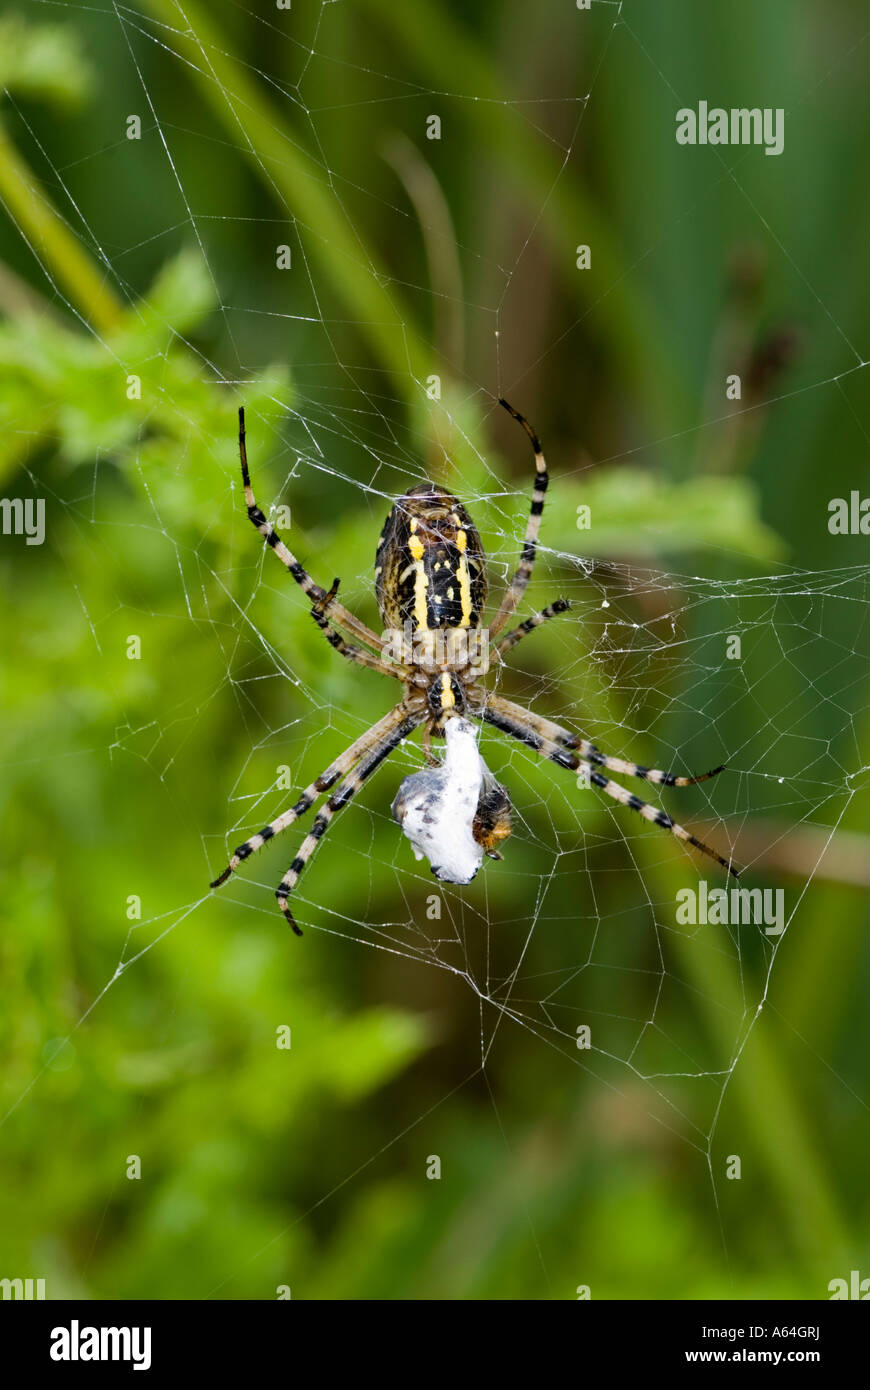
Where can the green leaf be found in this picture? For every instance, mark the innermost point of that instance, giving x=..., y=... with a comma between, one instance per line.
x=43, y=62
x=633, y=513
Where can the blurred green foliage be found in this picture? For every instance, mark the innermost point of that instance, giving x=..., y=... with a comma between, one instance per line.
x=44, y=62
x=154, y=261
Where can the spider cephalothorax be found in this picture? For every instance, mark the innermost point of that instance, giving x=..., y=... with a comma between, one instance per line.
x=445, y=695
x=431, y=586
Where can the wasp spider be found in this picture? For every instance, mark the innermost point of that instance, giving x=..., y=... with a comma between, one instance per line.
x=431, y=586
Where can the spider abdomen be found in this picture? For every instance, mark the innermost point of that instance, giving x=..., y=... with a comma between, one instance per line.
x=430, y=568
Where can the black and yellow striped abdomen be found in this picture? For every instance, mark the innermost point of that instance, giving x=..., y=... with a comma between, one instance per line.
x=430, y=569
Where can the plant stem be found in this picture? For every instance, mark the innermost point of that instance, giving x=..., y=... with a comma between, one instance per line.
x=301, y=183
x=55, y=247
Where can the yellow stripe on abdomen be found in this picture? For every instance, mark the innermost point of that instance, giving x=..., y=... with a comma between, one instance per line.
x=464, y=591
x=421, y=583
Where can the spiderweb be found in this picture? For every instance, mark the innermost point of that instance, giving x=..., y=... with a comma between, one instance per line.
x=577, y=927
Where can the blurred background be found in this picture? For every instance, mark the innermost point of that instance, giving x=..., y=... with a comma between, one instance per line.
x=245, y=205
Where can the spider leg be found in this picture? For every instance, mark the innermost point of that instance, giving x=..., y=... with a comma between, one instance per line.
x=517, y=586
x=524, y=733
x=342, y=764
x=426, y=742
x=510, y=640
x=345, y=649
x=519, y=715
x=339, y=799
x=337, y=611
